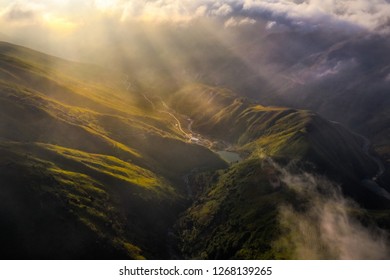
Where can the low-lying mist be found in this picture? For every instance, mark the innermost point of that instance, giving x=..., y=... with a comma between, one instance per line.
x=324, y=224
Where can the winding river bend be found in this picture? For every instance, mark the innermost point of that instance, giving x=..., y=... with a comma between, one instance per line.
x=371, y=184
x=366, y=149
x=379, y=163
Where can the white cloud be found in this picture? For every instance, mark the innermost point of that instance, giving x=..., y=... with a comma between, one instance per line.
x=106, y=4
x=201, y=11
x=324, y=225
x=368, y=14
x=41, y=17
x=29, y=20
x=174, y=10
x=223, y=10
x=270, y=25
x=231, y=22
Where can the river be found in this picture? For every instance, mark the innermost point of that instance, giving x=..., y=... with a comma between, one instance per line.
x=230, y=157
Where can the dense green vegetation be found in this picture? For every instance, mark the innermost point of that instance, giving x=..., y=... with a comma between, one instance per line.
x=235, y=216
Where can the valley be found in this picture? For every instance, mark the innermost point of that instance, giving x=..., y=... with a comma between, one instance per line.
x=99, y=155
x=93, y=166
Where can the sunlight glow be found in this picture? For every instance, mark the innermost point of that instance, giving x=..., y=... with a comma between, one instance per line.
x=106, y=5
x=59, y=24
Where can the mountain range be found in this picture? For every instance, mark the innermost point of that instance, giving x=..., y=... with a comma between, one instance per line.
x=103, y=162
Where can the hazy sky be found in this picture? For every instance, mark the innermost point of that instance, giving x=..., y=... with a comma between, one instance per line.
x=41, y=23
x=66, y=15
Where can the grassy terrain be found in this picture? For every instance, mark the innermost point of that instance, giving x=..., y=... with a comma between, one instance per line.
x=236, y=213
x=50, y=212
x=101, y=174
x=93, y=168
x=275, y=131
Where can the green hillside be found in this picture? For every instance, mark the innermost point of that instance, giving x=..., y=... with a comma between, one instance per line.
x=238, y=212
x=92, y=167
x=100, y=174
x=275, y=131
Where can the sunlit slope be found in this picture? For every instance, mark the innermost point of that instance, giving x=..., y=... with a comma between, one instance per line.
x=92, y=158
x=236, y=215
x=274, y=131
x=237, y=211
x=48, y=211
x=279, y=132
x=259, y=210
x=67, y=102
x=347, y=81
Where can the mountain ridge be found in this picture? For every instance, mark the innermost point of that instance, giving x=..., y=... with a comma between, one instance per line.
x=118, y=168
